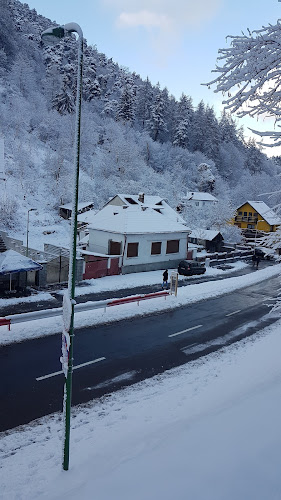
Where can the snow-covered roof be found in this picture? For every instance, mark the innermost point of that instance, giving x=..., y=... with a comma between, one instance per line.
x=86, y=217
x=265, y=212
x=198, y=196
x=150, y=201
x=80, y=206
x=14, y=262
x=204, y=234
x=135, y=220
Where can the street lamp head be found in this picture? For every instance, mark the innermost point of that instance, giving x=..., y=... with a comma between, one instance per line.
x=31, y=209
x=55, y=34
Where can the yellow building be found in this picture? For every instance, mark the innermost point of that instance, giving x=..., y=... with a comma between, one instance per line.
x=256, y=215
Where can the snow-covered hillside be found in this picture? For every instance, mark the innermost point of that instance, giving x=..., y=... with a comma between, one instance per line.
x=132, y=131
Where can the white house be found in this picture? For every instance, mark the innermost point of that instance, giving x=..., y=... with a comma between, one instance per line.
x=199, y=200
x=143, y=237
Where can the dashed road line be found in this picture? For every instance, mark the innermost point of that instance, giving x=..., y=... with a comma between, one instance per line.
x=234, y=312
x=74, y=368
x=184, y=331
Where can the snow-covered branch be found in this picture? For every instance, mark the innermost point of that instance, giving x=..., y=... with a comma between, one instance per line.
x=250, y=74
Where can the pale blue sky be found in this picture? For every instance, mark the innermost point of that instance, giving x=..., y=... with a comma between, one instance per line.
x=174, y=42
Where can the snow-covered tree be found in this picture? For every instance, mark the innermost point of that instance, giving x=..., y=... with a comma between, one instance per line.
x=157, y=123
x=183, y=119
x=198, y=128
x=206, y=179
x=250, y=75
x=64, y=100
x=254, y=157
x=126, y=106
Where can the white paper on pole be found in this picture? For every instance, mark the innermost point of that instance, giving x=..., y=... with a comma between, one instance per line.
x=66, y=310
x=65, y=352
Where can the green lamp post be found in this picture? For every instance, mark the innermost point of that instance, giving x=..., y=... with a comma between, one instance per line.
x=53, y=35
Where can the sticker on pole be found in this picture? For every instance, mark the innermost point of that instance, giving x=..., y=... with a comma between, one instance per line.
x=65, y=341
x=66, y=310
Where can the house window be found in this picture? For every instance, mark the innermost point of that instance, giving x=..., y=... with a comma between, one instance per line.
x=255, y=214
x=173, y=246
x=251, y=226
x=245, y=214
x=132, y=250
x=250, y=214
x=114, y=247
x=239, y=213
x=156, y=247
x=197, y=203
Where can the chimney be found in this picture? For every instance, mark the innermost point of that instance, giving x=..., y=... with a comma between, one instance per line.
x=141, y=197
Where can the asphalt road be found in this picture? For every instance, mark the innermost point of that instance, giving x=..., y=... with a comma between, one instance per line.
x=112, y=356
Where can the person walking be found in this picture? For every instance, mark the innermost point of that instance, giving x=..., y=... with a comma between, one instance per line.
x=165, y=279
x=257, y=261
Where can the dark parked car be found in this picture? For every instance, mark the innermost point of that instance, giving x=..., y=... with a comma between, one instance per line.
x=189, y=267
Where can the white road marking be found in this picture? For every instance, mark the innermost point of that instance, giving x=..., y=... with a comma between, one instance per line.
x=188, y=346
x=184, y=331
x=74, y=368
x=234, y=312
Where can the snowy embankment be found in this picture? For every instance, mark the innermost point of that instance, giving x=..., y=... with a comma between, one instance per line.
x=207, y=430
x=186, y=295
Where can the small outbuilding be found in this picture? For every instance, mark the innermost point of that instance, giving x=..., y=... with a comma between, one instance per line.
x=66, y=210
x=211, y=240
x=13, y=269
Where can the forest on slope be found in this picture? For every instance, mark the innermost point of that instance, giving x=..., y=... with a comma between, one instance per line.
x=134, y=136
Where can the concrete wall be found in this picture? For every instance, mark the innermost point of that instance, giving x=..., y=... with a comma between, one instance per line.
x=155, y=266
x=98, y=240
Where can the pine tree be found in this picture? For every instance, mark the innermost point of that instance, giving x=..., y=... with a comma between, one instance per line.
x=183, y=120
x=156, y=123
x=254, y=157
x=64, y=101
x=126, y=107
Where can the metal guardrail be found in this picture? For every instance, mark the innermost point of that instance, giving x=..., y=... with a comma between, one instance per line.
x=87, y=306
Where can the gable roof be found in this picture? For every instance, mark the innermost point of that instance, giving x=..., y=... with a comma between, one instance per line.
x=14, y=262
x=134, y=220
x=80, y=205
x=199, y=196
x=204, y=234
x=150, y=201
x=264, y=211
x=87, y=217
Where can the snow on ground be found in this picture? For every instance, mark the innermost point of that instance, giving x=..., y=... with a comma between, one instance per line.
x=186, y=295
x=148, y=278
x=41, y=296
x=209, y=430
x=120, y=282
